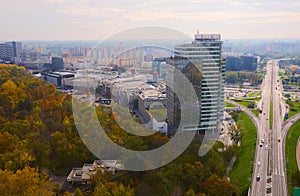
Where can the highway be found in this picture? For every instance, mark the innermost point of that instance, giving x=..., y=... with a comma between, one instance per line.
x=269, y=168
x=279, y=186
x=261, y=172
x=270, y=146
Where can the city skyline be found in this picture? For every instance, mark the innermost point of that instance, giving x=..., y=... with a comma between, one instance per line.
x=97, y=20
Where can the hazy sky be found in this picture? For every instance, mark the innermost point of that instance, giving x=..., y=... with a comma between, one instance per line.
x=98, y=19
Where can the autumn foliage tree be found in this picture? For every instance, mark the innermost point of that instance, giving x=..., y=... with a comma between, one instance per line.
x=24, y=182
x=37, y=130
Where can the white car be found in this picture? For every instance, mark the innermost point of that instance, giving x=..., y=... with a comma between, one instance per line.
x=258, y=163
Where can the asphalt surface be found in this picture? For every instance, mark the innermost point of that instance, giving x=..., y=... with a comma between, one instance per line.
x=269, y=168
x=279, y=186
x=262, y=156
x=270, y=153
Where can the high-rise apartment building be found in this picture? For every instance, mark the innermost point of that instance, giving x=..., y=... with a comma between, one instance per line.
x=9, y=50
x=6, y=52
x=17, y=48
x=201, y=62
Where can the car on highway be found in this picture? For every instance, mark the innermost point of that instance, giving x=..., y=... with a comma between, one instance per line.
x=257, y=177
x=258, y=163
x=262, y=140
x=278, y=139
x=260, y=145
x=267, y=147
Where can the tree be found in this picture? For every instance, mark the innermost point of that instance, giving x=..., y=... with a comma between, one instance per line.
x=191, y=192
x=234, y=116
x=78, y=192
x=41, y=149
x=296, y=178
x=24, y=182
x=217, y=186
x=231, y=77
x=68, y=149
x=112, y=189
x=251, y=104
x=14, y=153
x=235, y=134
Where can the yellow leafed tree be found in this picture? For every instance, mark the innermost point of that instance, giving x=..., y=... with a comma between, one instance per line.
x=24, y=182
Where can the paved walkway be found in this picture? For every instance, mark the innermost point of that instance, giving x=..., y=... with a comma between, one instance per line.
x=298, y=153
x=229, y=168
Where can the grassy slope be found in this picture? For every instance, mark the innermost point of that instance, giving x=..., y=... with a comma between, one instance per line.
x=295, y=109
x=290, y=151
x=229, y=105
x=244, y=101
x=271, y=115
x=257, y=93
x=255, y=112
x=242, y=170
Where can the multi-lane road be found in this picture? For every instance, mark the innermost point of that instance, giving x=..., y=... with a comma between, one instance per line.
x=269, y=177
x=262, y=157
x=269, y=172
x=277, y=167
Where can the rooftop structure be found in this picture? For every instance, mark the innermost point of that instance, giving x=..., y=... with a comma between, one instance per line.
x=207, y=37
x=84, y=174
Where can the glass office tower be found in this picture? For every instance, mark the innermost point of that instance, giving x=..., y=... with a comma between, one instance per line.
x=201, y=62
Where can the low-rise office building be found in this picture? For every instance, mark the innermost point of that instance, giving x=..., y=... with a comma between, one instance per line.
x=84, y=174
x=57, y=78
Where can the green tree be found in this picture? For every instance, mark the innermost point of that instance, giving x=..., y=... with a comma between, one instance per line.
x=235, y=134
x=295, y=179
x=251, y=104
